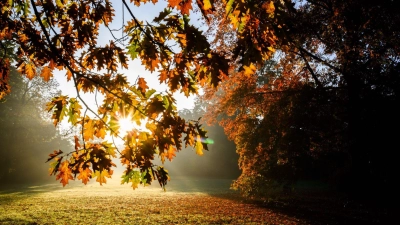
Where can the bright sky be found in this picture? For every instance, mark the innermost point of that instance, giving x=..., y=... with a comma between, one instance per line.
x=145, y=12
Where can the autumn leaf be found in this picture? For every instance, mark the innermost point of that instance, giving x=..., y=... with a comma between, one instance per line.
x=54, y=154
x=183, y=5
x=69, y=75
x=186, y=6
x=64, y=173
x=101, y=176
x=88, y=129
x=249, y=70
x=46, y=73
x=163, y=76
x=110, y=149
x=29, y=69
x=142, y=85
x=269, y=7
x=77, y=145
x=199, y=146
x=54, y=166
x=134, y=177
x=171, y=152
x=84, y=175
x=155, y=107
x=174, y=3
x=58, y=106
x=229, y=7
x=74, y=111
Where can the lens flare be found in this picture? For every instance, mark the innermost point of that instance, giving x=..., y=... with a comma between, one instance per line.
x=208, y=141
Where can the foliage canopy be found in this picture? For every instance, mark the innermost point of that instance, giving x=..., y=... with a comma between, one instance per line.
x=324, y=106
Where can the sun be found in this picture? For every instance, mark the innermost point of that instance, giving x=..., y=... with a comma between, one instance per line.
x=126, y=124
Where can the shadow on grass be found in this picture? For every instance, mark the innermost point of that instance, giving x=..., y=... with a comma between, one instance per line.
x=16, y=221
x=314, y=205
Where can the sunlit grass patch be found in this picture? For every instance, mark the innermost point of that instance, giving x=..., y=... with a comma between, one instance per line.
x=118, y=204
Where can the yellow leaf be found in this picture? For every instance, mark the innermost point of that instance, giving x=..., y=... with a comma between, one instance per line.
x=88, y=130
x=249, y=70
x=101, y=176
x=30, y=70
x=207, y=4
x=199, y=146
x=46, y=73
x=182, y=39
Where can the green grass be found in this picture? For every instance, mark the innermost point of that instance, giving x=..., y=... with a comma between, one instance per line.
x=195, y=201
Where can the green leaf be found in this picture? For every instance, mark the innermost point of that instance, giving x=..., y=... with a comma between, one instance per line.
x=132, y=50
x=59, y=107
x=229, y=7
x=74, y=111
x=114, y=125
x=110, y=149
x=149, y=93
x=134, y=176
x=135, y=179
x=166, y=102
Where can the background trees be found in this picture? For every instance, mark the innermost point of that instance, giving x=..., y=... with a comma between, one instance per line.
x=221, y=161
x=329, y=111
x=26, y=134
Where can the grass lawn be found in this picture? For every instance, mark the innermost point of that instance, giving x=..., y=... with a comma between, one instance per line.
x=186, y=201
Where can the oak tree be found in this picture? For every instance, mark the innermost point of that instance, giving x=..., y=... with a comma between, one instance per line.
x=335, y=91
x=64, y=35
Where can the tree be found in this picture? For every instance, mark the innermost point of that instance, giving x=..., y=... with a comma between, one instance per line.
x=64, y=34
x=338, y=82
x=333, y=51
x=26, y=135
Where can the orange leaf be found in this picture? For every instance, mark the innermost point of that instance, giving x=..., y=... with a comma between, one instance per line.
x=52, y=64
x=142, y=85
x=29, y=70
x=77, y=145
x=174, y=3
x=88, y=129
x=183, y=5
x=46, y=73
x=171, y=153
x=186, y=6
x=64, y=173
x=269, y=7
x=249, y=70
x=69, y=75
x=84, y=175
x=54, y=154
x=163, y=76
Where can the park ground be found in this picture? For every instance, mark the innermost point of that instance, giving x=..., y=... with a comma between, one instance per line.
x=186, y=201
